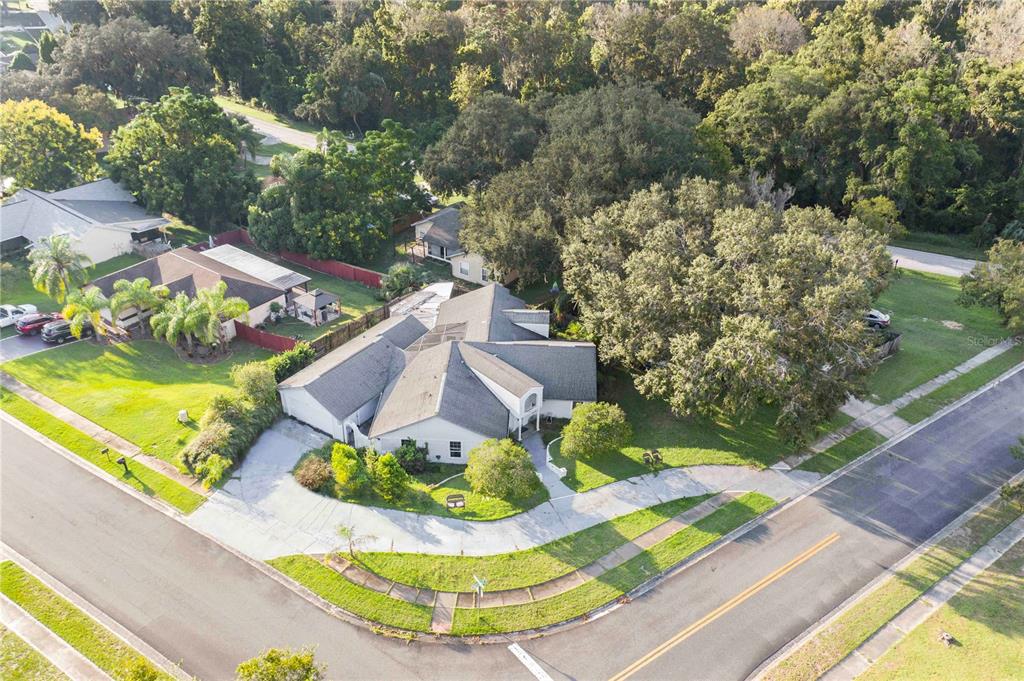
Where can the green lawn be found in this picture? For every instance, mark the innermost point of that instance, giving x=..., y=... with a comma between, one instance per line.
x=182, y=234
x=522, y=568
x=133, y=389
x=20, y=662
x=421, y=498
x=332, y=587
x=956, y=245
x=986, y=618
x=616, y=581
x=17, y=289
x=842, y=453
x=938, y=333
x=926, y=405
x=681, y=441
x=84, y=634
x=145, y=480
x=277, y=148
x=853, y=627
x=244, y=109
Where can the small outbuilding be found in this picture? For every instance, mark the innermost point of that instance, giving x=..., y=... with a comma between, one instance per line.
x=316, y=307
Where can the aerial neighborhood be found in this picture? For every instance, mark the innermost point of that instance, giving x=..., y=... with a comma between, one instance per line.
x=550, y=339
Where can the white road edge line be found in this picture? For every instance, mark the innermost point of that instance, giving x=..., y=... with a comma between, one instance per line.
x=530, y=663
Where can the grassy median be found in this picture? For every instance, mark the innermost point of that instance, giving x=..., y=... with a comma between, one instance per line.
x=844, y=634
x=333, y=588
x=20, y=662
x=616, y=581
x=90, y=638
x=843, y=452
x=522, y=568
x=145, y=480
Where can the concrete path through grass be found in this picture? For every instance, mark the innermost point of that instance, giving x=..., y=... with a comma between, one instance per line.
x=100, y=434
x=263, y=512
x=55, y=649
x=923, y=261
x=857, y=662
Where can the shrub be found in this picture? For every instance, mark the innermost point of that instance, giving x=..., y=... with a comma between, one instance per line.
x=255, y=381
x=281, y=664
x=211, y=441
x=349, y=470
x=313, y=473
x=401, y=277
x=212, y=469
x=389, y=478
x=411, y=458
x=290, y=362
x=502, y=469
x=596, y=429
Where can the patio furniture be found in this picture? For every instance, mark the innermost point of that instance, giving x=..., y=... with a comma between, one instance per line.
x=455, y=501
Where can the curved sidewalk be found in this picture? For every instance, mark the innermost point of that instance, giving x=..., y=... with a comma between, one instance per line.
x=264, y=513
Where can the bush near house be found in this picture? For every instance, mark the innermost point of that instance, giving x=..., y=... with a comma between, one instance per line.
x=413, y=459
x=290, y=362
x=313, y=473
x=502, y=469
x=350, y=471
x=389, y=478
x=596, y=429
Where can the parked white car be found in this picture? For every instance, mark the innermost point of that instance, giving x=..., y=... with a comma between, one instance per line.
x=12, y=313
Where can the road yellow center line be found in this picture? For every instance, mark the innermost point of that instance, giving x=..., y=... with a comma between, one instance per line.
x=725, y=607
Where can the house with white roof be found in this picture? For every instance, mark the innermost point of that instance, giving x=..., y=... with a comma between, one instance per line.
x=101, y=217
x=487, y=369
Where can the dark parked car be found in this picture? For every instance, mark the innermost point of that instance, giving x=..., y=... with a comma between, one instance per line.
x=60, y=331
x=31, y=324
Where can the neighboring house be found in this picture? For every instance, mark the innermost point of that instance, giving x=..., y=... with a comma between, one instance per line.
x=487, y=369
x=257, y=281
x=439, y=239
x=101, y=217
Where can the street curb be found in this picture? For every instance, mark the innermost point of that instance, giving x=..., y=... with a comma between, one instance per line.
x=95, y=613
x=876, y=583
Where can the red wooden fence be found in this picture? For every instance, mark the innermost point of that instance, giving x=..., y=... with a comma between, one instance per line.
x=270, y=341
x=335, y=268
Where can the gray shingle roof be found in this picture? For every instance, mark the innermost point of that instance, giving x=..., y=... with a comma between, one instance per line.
x=315, y=299
x=360, y=370
x=567, y=370
x=437, y=382
x=482, y=312
x=442, y=228
x=497, y=370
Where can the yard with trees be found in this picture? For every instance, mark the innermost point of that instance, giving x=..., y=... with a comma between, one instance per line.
x=42, y=148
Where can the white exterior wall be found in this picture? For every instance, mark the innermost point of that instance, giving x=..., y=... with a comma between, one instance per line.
x=101, y=244
x=559, y=409
x=475, y=266
x=299, y=404
x=435, y=433
x=256, y=315
x=540, y=329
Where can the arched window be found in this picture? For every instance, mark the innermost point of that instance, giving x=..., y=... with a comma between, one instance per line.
x=531, y=401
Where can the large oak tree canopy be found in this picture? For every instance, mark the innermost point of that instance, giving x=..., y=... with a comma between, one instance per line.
x=714, y=303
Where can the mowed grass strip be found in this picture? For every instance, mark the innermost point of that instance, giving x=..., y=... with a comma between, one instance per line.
x=926, y=405
x=617, y=581
x=94, y=641
x=522, y=568
x=145, y=480
x=21, y=662
x=938, y=333
x=16, y=287
x=133, y=389
x=843, y=452
x=682, y=441
x=332, y=587
x=844, y=634
x=986, y=618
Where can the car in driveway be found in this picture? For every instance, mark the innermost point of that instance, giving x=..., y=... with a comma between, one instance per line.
x=60, y=331
x=9, y=314
x=31, y=324
x=876, y=319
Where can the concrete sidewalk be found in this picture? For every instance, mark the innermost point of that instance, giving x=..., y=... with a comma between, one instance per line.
x=48, y=644
x=264, y=513
x=895, y=630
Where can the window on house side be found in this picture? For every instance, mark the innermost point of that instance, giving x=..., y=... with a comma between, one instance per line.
x=455, y=449
x=464, y=267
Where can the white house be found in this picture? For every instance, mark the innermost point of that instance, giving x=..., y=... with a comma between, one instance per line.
x=487, y=369
x=259, y=282
x=101, y=217
x=439, y=236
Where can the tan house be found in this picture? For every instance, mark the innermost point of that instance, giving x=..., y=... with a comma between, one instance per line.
x=438, y=237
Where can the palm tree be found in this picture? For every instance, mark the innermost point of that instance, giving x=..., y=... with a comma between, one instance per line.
x=181, y=317
x=219, y=310
x=85, y=306
x=56, y=267
x=249, y=140
x=139, y=294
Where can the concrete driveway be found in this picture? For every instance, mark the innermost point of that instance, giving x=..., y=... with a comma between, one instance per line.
x=935, y=263
x=18, y=346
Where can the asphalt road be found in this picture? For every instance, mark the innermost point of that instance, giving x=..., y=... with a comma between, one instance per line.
x=196, y=602
x=923, y=261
